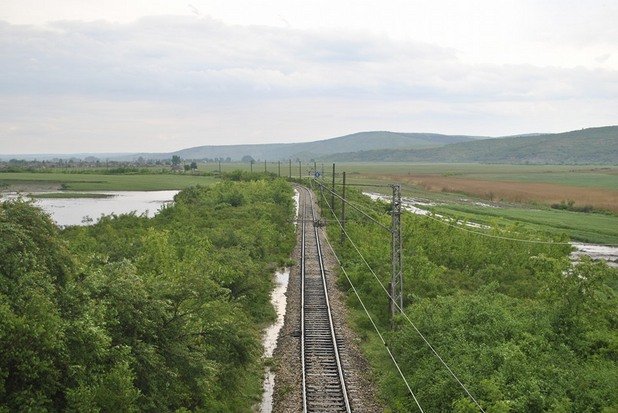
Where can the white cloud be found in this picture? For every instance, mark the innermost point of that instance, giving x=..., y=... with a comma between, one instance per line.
x=189, y=58
x=172, y=82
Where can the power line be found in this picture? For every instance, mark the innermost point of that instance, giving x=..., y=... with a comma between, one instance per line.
x=368, y=185
x=375, y=326
x=531, y=241
x=355, y=207
x=484, y=234
x=406, y=316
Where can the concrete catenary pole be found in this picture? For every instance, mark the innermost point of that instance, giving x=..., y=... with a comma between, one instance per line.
x=343, y=211
x=396, y=284
x=332, y=195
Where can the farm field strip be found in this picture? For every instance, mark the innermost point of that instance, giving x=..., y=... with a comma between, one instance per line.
x=595, y=228
x=608, y=253
x=385, y=168
x=28, y=181
x=583, y=179
x=510, y=191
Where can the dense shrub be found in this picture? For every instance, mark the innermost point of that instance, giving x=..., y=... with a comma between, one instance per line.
x=138, y=314
x=522, y=327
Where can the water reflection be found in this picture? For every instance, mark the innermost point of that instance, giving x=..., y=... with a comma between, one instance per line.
x=269, y=340
x=76, y=211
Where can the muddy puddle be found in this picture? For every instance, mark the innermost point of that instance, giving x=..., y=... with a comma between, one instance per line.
x=269, y=339
x=596, y=252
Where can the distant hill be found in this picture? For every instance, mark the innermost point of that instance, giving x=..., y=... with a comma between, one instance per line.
x=363, y=141
x=586, y=146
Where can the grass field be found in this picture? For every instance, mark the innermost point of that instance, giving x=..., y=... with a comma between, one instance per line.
x=90, y=182
x=519, y=192
x=594, y=228
x=526, y=184
x=522, y=192
x=587, y=227
x=586, y=179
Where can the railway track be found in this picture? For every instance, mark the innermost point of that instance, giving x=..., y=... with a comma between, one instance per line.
x=323, y=379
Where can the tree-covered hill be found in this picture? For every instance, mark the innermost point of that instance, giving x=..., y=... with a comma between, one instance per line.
x=586, y=146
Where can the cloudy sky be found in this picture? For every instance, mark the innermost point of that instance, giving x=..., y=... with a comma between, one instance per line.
x=161, y=75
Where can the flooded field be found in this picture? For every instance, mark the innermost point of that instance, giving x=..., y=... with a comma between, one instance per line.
x=86, y=211
x=609, y=254
x=606, y=253
x=483, y=186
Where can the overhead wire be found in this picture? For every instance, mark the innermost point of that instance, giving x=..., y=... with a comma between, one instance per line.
x=375, y=221
x=374, y=325
x=484, y=234
x=403, y=313
x=462, y=228
x=366, y=185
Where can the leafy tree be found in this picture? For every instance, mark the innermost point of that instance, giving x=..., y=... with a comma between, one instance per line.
x=33, y=268
x=141, y=314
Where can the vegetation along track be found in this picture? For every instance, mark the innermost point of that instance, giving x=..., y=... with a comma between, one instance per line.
x=323, y=378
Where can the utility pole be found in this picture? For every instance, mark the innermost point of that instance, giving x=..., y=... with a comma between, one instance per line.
x=279, y=168
x=332, y=195
x=251, y=163
x=219, y=167
x=265, y=166
x=300, y=169
x=343, y=211
x=396, y=284
x=290, y=169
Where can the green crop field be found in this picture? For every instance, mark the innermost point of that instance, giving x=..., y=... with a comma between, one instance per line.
x=595, y=179
x=595, y=228
x=93, y=182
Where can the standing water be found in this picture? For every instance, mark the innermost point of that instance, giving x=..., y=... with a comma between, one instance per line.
x=279, y=301
x=83, y=211
x=269, y=340
x=607, y=253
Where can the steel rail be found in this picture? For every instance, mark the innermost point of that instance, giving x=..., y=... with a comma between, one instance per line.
x=331, y=396
x=302, y=307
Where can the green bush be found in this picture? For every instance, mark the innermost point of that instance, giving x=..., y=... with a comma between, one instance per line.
x=523, y=328
x=138, y=314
